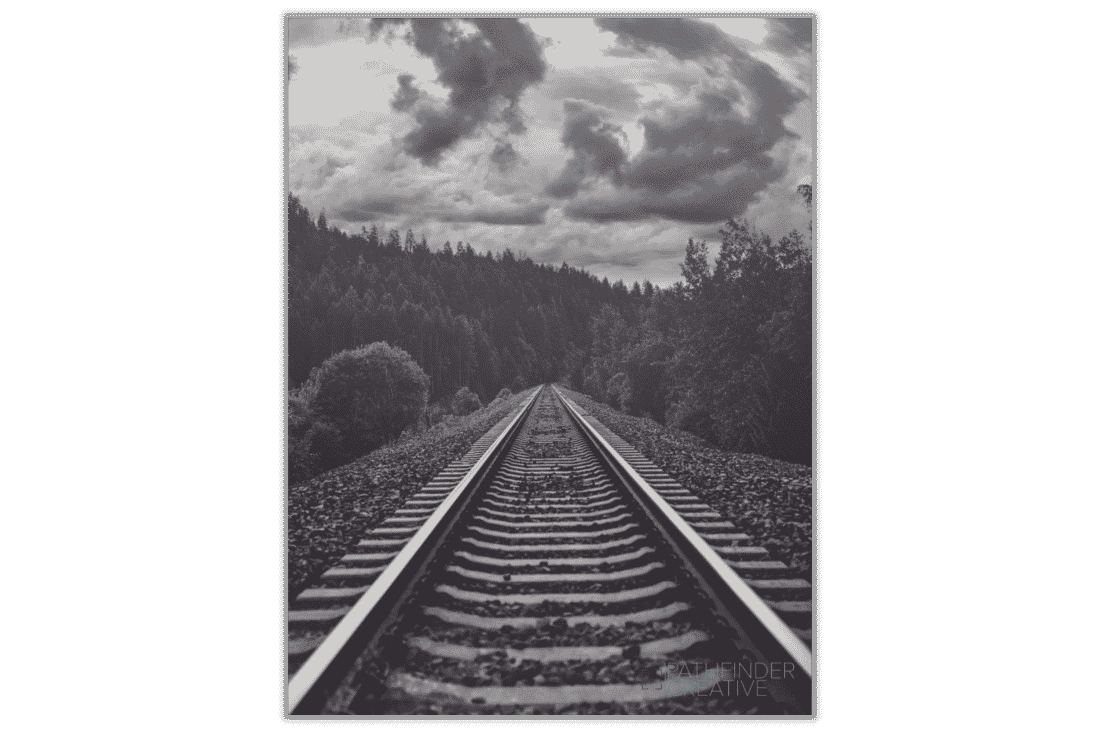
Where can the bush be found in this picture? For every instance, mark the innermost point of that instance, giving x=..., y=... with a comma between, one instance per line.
x=435, y=413
x=504, y=394
x=620, y=392
x=327, y=446
x=315, y=444
x=594, y=381
x=692, y=415
x=302, y=463
x=465, y=402
x=368, y=395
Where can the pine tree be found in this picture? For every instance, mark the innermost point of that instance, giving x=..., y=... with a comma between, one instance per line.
x=696, y=269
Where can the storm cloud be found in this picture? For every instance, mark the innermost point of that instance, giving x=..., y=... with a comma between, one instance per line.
x=684, y=38
x=701, y=139
x=540, y=135
x=627, y=259
x=702, y=161
x=788, y=36
x=523, y=216
x=602, y=90
x=312, y=164
x=371, y=208
x=597, y=147
x=419, y=204
x=709, y=202
x=406, y=95
x=504, y=156
x=485, y=73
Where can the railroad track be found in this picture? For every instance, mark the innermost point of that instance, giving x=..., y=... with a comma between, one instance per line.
x=553, y=569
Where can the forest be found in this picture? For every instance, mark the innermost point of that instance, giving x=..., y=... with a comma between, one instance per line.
x=482, y=321
x=726, y=353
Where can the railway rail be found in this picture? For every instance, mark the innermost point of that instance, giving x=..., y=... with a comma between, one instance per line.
x=553, y=569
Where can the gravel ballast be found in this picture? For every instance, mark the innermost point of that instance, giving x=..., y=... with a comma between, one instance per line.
x=769, y=499
x=565, y=632
x=331, y=512
x=548, y=635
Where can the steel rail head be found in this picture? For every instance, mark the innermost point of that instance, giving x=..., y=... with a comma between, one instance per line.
x=775, y=626
x=387, y=584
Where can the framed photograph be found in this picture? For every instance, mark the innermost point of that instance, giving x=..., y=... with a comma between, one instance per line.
x=550, y=365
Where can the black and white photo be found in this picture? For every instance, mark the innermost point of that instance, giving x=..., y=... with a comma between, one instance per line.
x=550, y=365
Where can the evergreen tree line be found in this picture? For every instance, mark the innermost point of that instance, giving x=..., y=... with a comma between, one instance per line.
x=481, y=321
x=725, y=354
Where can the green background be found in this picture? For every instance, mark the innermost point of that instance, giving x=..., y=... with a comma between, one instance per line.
x=141, y=321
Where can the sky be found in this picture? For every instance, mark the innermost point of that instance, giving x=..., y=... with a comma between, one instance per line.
x=604, y=143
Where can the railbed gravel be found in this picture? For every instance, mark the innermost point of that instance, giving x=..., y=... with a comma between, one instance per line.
x=549, y=540
x=331, y=512
x=552, y=608
x=578, y=526
x=672, y=706
x=522, y=589
x=550, y=635
x=566, y=560
x=499, y=670
x=767, y=498
x=559, y=448
x=551, y=554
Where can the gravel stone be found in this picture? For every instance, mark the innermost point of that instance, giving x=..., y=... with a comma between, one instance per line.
x=769, y=499
x=331, y=512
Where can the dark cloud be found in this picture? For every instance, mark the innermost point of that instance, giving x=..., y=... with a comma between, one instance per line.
x=583, y=250
x=703, y=139
x=525, y=216
x=703, y=161
x=504, y=156
x=327, y=169
x=486, y=74
x=681, y=79
x=314, y=170
x=598, y=147
x=602, y=90
x=568, y=181
x=626, y=259
x=511, y=115
x=370, y=208
x=710, y=201
x=356, y=215
x=553, y=253
x=684, y=38
x=790, y=35
x=406, y=95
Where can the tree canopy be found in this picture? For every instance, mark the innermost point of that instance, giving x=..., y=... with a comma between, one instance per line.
x=726, y=353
